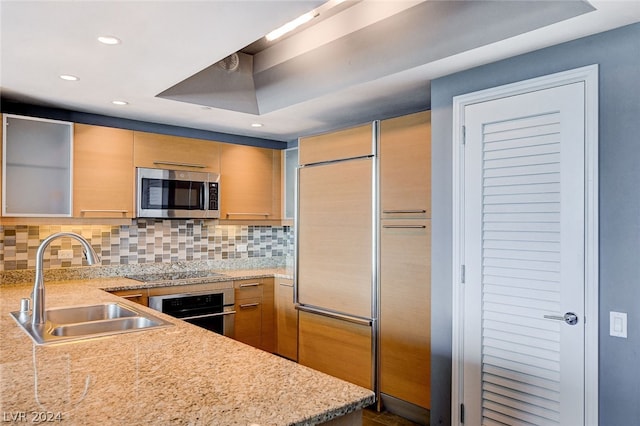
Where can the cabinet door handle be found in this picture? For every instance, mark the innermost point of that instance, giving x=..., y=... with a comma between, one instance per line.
x=174, y=163
x=248, y=214
x=104, y=210
x=249, y=285
x=404, y=226
x=405, y=211
x=131, y=296
x=249, y=305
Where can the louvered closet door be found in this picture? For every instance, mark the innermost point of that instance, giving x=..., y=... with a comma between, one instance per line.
x=524, y=259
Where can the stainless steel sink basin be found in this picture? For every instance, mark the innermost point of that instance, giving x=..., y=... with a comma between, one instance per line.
x=77, y=314
x=104, y=326
x=84, y=322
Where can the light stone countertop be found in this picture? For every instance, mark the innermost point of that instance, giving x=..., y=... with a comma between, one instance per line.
x=181, y=374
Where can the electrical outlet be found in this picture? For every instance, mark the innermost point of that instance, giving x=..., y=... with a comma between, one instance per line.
x=65, y=254
x=241, y=248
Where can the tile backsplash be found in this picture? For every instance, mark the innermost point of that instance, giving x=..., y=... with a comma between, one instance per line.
x=145, y=242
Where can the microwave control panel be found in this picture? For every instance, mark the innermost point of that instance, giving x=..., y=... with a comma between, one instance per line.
x=213, y=195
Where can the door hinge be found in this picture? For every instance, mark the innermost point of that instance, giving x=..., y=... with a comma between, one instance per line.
x=461, y=413
x=464, y=135
x=462, y=273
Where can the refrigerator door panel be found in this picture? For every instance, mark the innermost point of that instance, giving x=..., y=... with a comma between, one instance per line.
x=340, y=348
x=334, y=269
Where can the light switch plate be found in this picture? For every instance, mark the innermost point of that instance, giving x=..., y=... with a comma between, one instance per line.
x=618, y=324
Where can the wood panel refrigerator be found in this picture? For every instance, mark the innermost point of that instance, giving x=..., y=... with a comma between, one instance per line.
x=336, y=228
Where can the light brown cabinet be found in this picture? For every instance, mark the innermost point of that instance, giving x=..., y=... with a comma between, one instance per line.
x=286, y=320
x=405, y=254
x=103, y=182
x=255, y=315
x=405, y=166
x=140, y=296
x=250, y=183
x=336, y=347
x=173, y=152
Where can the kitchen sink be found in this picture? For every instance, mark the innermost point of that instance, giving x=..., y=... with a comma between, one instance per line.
x=88, y=313
x=77, y=323
x=104, y=326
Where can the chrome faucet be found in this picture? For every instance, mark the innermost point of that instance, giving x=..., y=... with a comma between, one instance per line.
x=37, y=296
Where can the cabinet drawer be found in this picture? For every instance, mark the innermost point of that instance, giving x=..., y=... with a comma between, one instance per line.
x=248, y=322
x=138, y=295
x=248, y=289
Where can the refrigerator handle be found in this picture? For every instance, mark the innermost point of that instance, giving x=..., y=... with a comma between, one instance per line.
x=356, y=320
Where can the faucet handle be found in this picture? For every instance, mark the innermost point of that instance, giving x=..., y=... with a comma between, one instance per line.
x=24, y=304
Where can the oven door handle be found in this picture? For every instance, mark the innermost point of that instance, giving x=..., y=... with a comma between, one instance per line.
x=218, y=314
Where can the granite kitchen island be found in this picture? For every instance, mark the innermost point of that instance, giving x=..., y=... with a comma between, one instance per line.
x=180, y=374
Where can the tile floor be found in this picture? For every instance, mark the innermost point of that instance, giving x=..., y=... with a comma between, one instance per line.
x=371, y=417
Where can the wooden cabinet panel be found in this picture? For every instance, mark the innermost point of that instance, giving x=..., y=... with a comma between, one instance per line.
x=140, y=296
x=405, y=310
x=173, y=152
x=248, y=322
x=348, y=143
x=286, y=320
x=339, y=348
x=103, y=181
x=335, y=237
x=250, y=183
x=405, y=166
x=255, y=313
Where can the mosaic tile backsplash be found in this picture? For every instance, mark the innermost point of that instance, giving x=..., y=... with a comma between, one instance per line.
x=145, y=241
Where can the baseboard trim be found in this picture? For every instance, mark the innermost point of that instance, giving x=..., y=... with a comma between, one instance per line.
x=405, y=409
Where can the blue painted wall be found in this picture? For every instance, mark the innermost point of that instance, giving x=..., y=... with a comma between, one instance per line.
x=617, y=53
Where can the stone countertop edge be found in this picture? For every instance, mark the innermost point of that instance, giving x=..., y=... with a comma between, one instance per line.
x=180, y=374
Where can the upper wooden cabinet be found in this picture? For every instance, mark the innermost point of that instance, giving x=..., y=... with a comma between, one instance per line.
x=348, y=143
x=103, y=181
x=405, y=166
x=250, y=183
x=173, y=152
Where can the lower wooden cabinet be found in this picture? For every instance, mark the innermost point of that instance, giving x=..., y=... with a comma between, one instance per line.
x=140, y=296
x=255, y=315
x=336, y=347
x=286, y=320
x=405, y=311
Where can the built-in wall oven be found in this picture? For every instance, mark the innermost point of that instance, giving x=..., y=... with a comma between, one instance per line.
x=212, y=310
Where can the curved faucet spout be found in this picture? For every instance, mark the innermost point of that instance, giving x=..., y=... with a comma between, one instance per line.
x=38, y=317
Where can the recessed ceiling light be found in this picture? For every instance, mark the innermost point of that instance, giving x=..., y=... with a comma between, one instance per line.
x=257, y=124
x=69, y=77
x=120, y=102
x=109, y=40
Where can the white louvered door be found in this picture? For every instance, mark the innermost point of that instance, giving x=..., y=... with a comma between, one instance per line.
x=524, y=248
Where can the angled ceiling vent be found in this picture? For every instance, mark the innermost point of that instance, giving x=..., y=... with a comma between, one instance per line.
x=227, y=84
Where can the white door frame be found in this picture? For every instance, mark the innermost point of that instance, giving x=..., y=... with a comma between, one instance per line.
x=588, y=75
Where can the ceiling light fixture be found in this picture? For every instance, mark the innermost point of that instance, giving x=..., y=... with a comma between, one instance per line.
x=109, y=40
x=120, y=103
x=257, y=125
x=290, y=26
x=69, y=77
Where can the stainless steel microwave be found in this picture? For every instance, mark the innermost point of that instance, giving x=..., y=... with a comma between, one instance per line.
x=178, y=194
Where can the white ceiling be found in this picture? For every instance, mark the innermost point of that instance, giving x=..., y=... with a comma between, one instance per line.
x=372, y=60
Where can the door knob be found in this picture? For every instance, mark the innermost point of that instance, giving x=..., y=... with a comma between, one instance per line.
x=570, y=318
